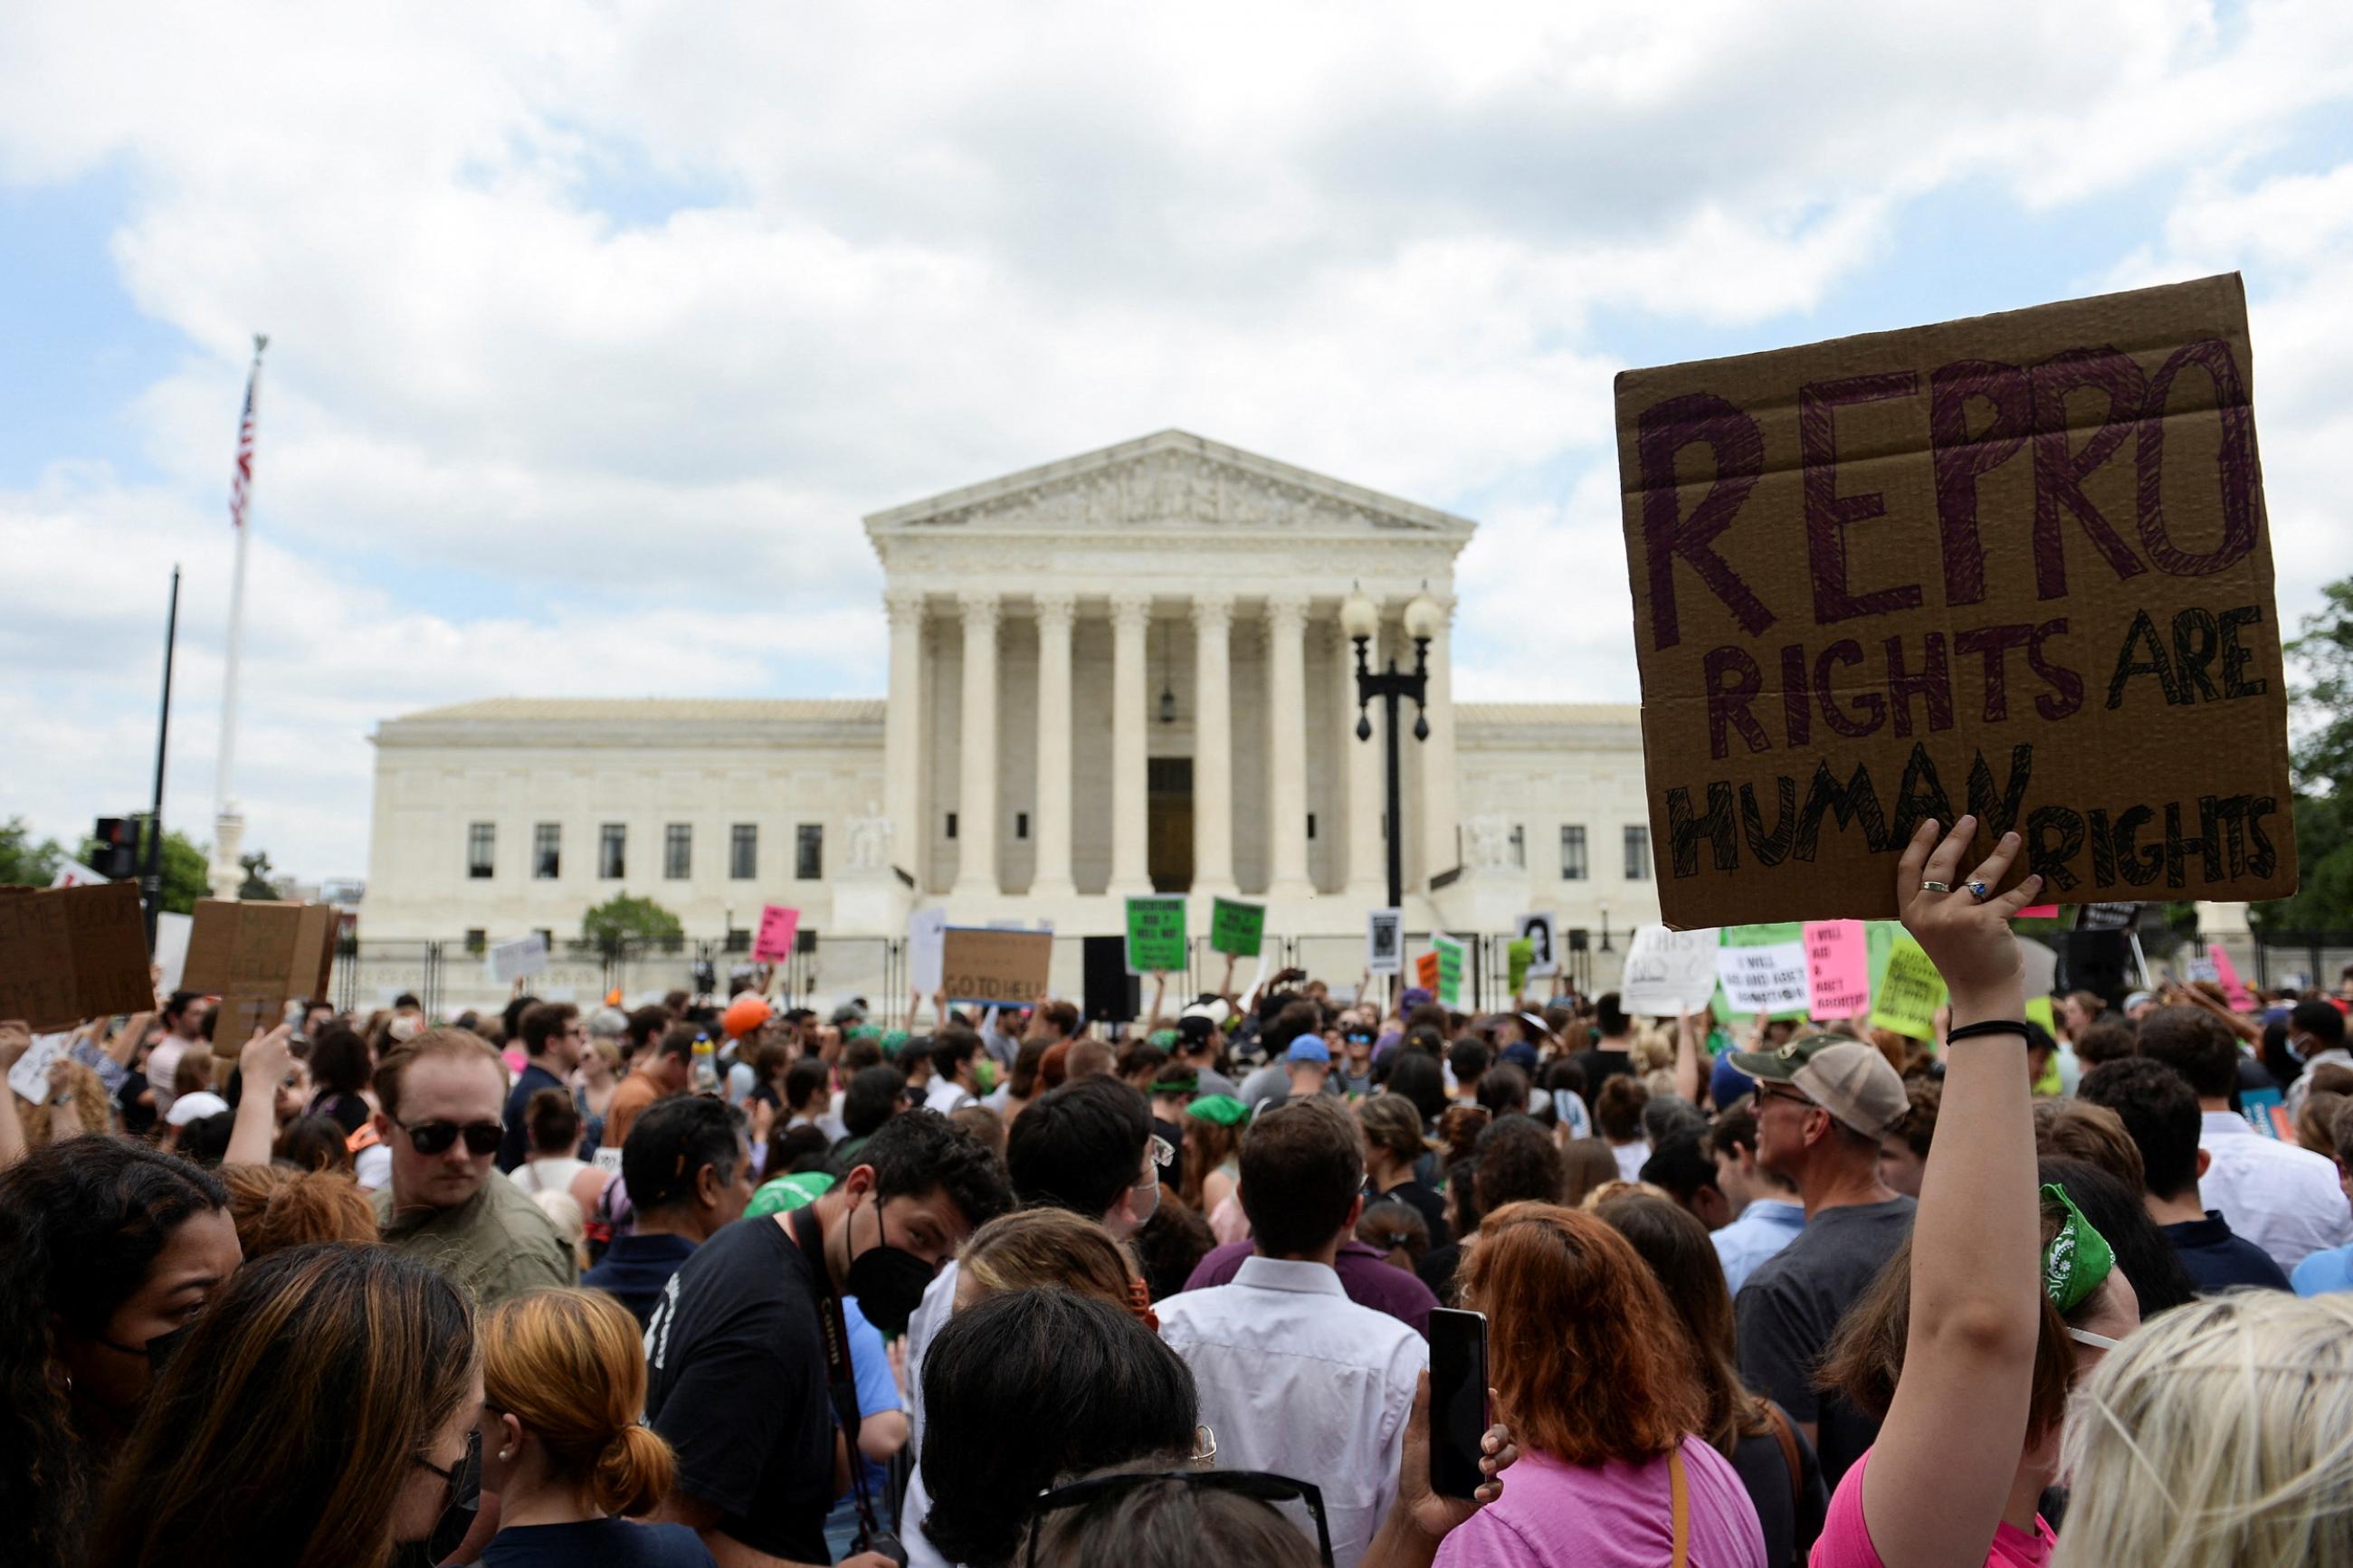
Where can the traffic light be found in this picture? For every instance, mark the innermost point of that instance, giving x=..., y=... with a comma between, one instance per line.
x=116, y=855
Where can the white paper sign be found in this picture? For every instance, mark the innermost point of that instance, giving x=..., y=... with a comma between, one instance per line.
x=30, y=1077
x=927, y=951
x=74, y=874
x=518, y=960
x=172, y=948
x=1669, y=972
x=1770, y=980
x=1385, y=941
x=1542, y=937
x=2038, y=965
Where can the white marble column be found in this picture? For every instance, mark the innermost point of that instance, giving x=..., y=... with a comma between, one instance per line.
x=1053, y=876
x=976, y=730
x=1366, y=859
x=1440, y=840
x=1131, y=870
x=902, y=730
x=1286, y=621
x=1213, y=746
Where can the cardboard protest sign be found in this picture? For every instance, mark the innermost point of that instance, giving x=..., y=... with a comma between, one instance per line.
x=1236, y=927
x=995, y=968
x=778, y=926
x=2235, y=995
x=1837, y=968
x=1449, y=954
x=2017, y=566
x=1543, y=936
x=1762, y=969
x=1155, y=935
x=1385, y=941
x=254, y=956
x=1518, y=954
x=925, y=931
x=72, y=952
x=518, y=960
x=1668, y=972
x=1910, y=993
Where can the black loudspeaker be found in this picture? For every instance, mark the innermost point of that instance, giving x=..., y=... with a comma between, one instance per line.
x=1113, y=995
x=1578, y=938
x=2100, y=962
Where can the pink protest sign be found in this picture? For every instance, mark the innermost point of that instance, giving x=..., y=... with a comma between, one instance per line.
x=2039, y=912
x=1838, y=965
x=2235, y=995
x=777, y=926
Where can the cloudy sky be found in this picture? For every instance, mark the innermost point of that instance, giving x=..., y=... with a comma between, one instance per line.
x=595, y=327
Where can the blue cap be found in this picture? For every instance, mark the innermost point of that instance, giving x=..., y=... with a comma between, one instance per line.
x=1309, y=1048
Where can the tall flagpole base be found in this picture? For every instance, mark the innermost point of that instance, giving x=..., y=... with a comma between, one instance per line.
x=228, y=837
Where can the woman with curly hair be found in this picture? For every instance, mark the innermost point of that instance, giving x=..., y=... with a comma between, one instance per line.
x=228, y=1466
x=112, y=1247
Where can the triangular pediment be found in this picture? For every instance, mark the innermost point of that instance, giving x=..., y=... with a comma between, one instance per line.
x=1171, y=480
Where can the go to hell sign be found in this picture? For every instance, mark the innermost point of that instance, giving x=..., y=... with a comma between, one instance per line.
x=2017, y=566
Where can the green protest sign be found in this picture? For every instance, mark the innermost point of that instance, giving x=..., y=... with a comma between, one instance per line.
x=1236, y=927
x=1155, y=935
x=1741, y=1010
x=1450, y=969
x=1907, y=999
x=1518, y=955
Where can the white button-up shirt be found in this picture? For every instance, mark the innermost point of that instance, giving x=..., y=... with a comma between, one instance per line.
x=1764, y=1228
x=1297, y=1379
x=2283, y=1199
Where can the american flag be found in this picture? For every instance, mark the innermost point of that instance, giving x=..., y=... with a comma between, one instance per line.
x=241, y=486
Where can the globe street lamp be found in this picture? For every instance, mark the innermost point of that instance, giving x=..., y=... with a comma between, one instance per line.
x=1360, y=618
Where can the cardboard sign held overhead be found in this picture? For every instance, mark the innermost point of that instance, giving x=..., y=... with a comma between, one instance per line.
x=1667, y=972
x=2016, y=565
x=995, y=968
x=72, y=952
x=254, y=956
x=1237, y=927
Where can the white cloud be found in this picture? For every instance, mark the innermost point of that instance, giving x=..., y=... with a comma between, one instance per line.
x=648, y=304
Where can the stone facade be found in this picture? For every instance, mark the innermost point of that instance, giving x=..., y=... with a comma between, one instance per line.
x=1143, y=646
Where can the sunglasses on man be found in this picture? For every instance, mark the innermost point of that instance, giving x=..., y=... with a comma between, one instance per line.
x=435, y=1137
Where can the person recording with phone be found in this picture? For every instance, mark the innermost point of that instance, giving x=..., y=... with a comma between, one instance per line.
x=441, y=1093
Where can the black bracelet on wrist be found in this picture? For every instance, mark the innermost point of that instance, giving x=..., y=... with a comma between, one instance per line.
x=1994, y=1026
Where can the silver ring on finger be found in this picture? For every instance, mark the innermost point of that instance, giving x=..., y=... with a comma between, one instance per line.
x=1979, y=890
x=1935, y=886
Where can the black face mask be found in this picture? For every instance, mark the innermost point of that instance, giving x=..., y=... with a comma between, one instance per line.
x=888, y=1281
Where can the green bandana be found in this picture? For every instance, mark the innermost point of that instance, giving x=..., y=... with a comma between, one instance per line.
x=892, y=1041
x=1165, y=1038
x=2078, y=1260
x=984, y=1074
x=1222, y=1109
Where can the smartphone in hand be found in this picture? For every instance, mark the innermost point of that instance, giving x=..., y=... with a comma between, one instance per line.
x=1458, y=1401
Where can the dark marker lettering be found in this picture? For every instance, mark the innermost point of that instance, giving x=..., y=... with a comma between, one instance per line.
x=1853, y=802
x=2234, y=464
x=1933, y=684
x=2048, y=856
x=1993, y=644
x=2265, y=859
x=2067, y=685
x=2196, y=640
x=1999, y=811
x=2235, y=655
x=1769, y=849
x=2059, y=474
x=1869, y=704
x=1829, y=514
x=1797, y=696
x=2142, y=631
x=1960, y=458
x=1738, y=445
x=1727, y=701
x=1919, y=797
x=2139, y=867
x=1684, y=831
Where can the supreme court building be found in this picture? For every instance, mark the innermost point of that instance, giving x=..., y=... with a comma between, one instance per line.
x=1113, y=674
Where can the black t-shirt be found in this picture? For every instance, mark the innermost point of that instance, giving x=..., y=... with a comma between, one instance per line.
x=1437, y=1271
x=1173, y=1173
x=1596, y=1064
x=596, y=1543
x=515, y=1145
x=1794, y=1301
x=1791, y=1515
x=1424, y=1200
x=736, y=1383
x=349, y=1110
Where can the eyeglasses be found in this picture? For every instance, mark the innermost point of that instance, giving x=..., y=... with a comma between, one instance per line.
x=1162, y=1154
x=1761, y=1094
x=1258, y=1484
x=435, y=1137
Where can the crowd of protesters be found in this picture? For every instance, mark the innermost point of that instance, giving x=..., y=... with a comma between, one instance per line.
x=717, y=1281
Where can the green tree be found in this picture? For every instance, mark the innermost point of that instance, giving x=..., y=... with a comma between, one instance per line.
x=2323, y=765
x=24, y=863
x=622, y=922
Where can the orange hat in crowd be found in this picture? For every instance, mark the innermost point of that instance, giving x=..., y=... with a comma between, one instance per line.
x=743, y=1015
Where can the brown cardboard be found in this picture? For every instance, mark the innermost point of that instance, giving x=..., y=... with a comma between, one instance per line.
x=995, y=968
x=71, y=953
x=2017, y=565
x=254, y=957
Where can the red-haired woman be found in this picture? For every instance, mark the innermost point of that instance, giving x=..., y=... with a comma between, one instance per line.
x=1605, y=1414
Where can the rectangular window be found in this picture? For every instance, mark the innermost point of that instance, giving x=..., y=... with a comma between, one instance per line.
x=808, y=851
x=739, y=940
x=1519, y=845
x=547, y=937
x=744, y=851
x=1572, y=854
x=1020, y=824
x=678, y=852
x=477, y=939
x=1311, y=825
x=613, y=851
x=1638, y=854
x=547, y=850
x=481, y=849
x=951, y=824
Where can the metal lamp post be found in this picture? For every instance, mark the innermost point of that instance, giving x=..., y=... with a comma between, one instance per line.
x=1360, y=618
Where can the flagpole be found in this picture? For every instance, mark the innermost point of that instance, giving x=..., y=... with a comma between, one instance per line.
x=228, y=825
